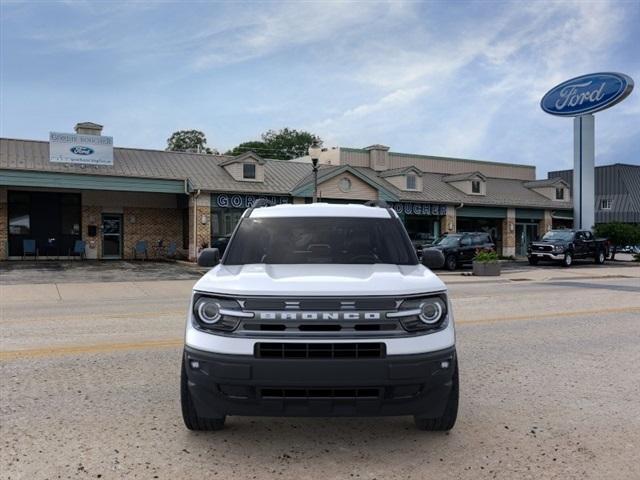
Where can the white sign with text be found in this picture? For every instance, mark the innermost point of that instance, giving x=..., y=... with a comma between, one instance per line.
x=80, y=149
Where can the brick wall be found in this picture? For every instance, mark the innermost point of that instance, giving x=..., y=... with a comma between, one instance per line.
x=509, y=233
x=151, y=225
x=546, y=223
x=448, y=222
x=202, y=207
x=91, y=215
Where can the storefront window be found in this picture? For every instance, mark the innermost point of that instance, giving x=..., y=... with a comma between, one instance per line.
x=70, y=214
x=19, y=213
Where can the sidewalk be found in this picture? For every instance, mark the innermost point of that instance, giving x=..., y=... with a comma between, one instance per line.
x=519, y=273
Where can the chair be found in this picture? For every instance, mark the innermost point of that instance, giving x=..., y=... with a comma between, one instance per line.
x=29, y=248
x=142, y=249
x=172, y=249
x=78, y=249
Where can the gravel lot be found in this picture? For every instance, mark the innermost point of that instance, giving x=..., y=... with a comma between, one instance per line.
x=549, y=389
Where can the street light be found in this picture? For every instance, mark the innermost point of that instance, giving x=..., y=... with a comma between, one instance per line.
x=314, y=153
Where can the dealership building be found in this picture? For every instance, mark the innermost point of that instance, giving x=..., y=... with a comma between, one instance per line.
x=53, y=193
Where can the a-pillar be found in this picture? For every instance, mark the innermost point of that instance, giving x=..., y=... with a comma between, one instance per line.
x=509, y=233
x=199, y=223
x=448, y=222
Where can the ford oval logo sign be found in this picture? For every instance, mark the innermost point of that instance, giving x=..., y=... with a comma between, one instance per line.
x=79, y=150
x=587, y=94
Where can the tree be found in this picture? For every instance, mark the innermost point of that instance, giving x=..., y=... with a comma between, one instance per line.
x=255, y=146
x=283, y=144
x=619, y=234
x=188, y=141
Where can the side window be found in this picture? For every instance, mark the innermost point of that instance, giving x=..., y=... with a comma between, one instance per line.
x=465, y=242
x=580, y=236
x=588, y=236
x=478, y=240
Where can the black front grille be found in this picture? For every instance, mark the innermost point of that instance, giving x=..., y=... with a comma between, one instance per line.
x=320, y=304
x=320, y=393
x=543, y=248
x=320, y=350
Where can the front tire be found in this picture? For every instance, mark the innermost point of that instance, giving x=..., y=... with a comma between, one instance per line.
x=567, y=261
x=533, y=261
x=600, y=257
x=451, y=263
x=189, y=415
x=448, y=418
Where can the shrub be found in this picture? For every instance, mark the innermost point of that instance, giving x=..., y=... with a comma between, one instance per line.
x=486, y=257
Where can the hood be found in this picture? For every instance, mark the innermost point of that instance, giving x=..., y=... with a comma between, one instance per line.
x=319, y=280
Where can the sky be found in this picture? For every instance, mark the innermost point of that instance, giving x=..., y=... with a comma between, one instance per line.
x=447, y=78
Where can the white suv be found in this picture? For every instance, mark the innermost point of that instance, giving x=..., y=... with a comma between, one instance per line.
x=319, y=310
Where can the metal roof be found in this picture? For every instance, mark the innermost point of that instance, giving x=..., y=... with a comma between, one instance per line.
x=205, y=172
x=202, y=170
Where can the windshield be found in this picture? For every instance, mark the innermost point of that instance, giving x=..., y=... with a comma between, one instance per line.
x=558, y=235
x=448, y=241
x=336, y=240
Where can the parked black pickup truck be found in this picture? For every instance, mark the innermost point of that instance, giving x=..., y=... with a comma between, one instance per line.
x=565, y=246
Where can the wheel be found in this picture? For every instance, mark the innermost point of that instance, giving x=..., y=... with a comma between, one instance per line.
x=567, y=260
x=191, y=419
x=451, y=263
x=600, y=257
x=533, y=260
x=448, y=418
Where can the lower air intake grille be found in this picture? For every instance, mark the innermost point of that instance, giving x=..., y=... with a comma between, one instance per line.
x=320, y=350
x=320, y=392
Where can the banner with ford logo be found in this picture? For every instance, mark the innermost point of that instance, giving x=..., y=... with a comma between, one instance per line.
x=587, y=94
x=80, y=149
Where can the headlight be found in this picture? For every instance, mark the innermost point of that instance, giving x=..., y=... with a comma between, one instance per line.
x=428, y=313
x=558, y=248
x=212, y=313
x=208, y=310
x=431, y=311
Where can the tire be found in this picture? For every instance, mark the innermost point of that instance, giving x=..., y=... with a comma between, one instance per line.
x=567, y=261
x=448, y=418
x=450, y=262
x=189, y=415
x=533, y=260
x=600, y=257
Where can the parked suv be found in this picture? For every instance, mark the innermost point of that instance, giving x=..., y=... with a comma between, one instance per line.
x=319, y=310
x=460, y=248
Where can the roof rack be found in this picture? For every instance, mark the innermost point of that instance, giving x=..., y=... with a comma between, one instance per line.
x=261, y=202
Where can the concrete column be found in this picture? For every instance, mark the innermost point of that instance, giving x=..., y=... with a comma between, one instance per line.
x=545, y=224
x=4, y=225
x=509, y=233
x=200, y=216
x=92, y=215
x=448, y=222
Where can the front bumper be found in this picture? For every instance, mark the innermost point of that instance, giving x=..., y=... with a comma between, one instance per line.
x=547, y=255
x=417, y=384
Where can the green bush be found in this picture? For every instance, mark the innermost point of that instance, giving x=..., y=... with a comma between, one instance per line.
x=485, y=257
x=619, y=234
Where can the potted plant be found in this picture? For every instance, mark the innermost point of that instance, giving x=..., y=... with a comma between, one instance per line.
x=486, y=264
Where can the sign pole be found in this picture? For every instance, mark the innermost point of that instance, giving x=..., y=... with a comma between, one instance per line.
x=583, y=172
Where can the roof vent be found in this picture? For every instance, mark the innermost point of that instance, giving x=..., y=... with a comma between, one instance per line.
x=88, y=128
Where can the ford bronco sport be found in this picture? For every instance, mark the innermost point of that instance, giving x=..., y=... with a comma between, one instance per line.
x=319, y=310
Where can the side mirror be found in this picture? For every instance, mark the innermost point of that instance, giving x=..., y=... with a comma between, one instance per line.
x=432, y=258
x=209, y=257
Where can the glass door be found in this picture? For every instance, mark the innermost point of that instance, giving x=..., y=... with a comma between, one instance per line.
x=525, y=234
x=111, y=235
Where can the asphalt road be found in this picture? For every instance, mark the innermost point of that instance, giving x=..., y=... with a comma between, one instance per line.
x=549, y=389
